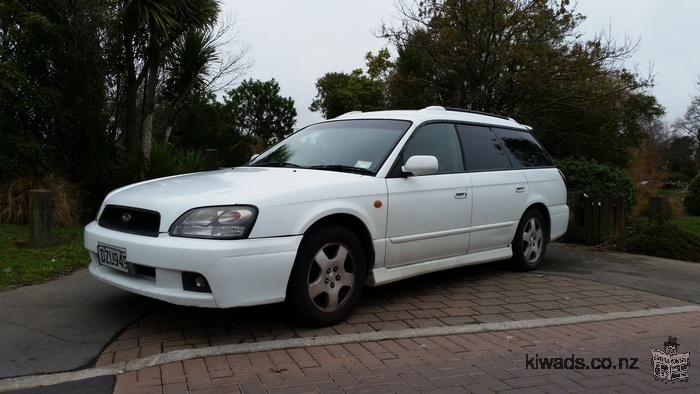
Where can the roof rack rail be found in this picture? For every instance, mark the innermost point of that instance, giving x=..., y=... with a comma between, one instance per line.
x=471, y=111
x=348, y=114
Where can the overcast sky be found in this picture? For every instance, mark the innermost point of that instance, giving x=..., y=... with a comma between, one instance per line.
x=297, y=42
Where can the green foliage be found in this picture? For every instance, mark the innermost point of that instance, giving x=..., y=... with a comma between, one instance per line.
x=591, y=177
x=259, y=111
x=52, y=87
x=657, y=239
x=520, y=58
x=165, y=160
x=688, y=128
x=691, y=203
x=681, y=158
x=23, y=266
x=149, y=32
x=339, y=93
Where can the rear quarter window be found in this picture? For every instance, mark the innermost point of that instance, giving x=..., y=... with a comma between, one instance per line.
x=522, y=149
x=481, y=149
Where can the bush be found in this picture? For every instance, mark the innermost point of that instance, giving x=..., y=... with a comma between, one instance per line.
x=691, y=203
x=14, y=199
x=657, y=239
x=591, y=177
x=166, y=160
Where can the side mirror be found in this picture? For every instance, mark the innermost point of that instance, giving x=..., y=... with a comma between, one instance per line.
x=421, y=165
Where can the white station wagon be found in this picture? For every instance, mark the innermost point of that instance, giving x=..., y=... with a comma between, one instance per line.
x=361, y=200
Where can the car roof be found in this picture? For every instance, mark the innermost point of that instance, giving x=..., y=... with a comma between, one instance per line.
x=438, y=113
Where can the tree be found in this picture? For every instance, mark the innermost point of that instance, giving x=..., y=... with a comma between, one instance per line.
x=252, y=116
x=150, y=29
x=340, y=92
x=196, y=64
x=52, y=88
x=687, y=130
x=524, y=59
x=259, y=113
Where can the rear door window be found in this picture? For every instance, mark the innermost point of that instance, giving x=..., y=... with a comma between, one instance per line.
x=522, y=149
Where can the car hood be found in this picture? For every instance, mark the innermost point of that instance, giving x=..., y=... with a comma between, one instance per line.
x=173, y=196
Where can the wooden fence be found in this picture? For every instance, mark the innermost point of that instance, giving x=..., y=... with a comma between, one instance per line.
x=595, y=218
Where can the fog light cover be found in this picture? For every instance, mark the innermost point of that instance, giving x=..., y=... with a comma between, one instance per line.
x=192, y=281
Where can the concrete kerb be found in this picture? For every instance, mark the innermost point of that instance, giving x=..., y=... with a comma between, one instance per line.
x=27, y=382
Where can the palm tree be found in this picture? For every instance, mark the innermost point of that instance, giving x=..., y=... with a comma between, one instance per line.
x=186, y=67
x=150, y=29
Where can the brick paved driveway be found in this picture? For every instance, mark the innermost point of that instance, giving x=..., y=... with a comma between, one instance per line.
x=473, y=329
x=470, y=295
x=495, y=361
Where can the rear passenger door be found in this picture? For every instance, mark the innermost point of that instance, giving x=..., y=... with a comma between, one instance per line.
x=499, y=191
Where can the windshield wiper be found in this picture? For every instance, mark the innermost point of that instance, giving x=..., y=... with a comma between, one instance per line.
x=342, y=168
x=276, y=164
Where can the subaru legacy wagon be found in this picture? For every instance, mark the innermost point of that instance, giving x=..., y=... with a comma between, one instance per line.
x=361, y=200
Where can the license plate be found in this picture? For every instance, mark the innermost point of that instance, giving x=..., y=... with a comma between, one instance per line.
x=113, y=257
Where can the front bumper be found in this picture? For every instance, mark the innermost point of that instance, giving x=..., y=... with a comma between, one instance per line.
x=240, y=272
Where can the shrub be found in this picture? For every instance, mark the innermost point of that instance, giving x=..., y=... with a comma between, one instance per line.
x=14, y=199
x=166, y=160
x=591, y=177
x=657, y=239
x=691, y=203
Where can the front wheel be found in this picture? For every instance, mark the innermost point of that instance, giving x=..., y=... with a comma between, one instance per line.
x=530, y=241
x=328, y=276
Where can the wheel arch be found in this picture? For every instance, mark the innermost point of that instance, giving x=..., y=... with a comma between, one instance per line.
x=354, y=224
x=545, y=214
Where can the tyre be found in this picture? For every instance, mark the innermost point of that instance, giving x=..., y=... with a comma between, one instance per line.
x=328, y=276
x=530, y=241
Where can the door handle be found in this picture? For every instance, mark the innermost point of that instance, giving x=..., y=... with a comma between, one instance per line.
x=520, y=188
x=461, y=193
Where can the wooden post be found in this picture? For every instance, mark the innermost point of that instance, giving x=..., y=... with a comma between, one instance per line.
x=211, y=160
x=659, y=209
x=39, y=218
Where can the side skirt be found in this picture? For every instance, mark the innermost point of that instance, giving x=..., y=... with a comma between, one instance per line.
x=381, y=276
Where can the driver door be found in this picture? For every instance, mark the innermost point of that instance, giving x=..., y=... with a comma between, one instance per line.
x=429, y=215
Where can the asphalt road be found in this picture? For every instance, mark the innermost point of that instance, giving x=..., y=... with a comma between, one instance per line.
x=62, y=325
x=65, y=324
x=671, y=278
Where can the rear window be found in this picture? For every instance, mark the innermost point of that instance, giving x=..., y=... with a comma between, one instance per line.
x=522, y=149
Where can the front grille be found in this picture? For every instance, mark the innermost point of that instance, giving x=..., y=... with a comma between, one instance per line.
x=130, y=220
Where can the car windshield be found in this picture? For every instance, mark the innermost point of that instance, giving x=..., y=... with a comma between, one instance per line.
x=358, y=146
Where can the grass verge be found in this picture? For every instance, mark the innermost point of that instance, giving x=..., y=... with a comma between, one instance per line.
x=21, y=265
x=691, y=223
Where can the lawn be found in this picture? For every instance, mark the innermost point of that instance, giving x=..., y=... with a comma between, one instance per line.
x=21, y=265
x=691, y=223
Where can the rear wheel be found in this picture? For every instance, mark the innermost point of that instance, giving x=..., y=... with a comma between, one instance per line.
x=328, y=276
x=530, y=241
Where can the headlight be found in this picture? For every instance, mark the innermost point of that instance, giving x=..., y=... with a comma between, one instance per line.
x=228, y=222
